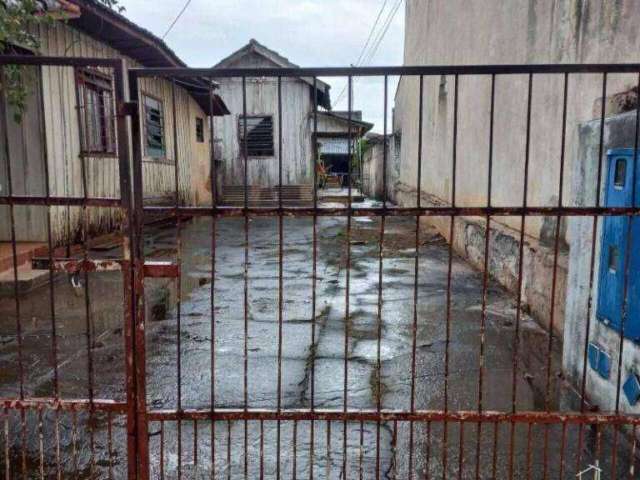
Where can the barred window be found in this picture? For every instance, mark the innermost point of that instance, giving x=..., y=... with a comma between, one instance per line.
x=154, y=127
x=259, y=141
x=96, y=111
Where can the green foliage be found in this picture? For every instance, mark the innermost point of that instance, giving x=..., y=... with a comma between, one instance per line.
x=17, y=19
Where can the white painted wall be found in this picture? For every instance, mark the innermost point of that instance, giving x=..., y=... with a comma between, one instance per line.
x=440, y=32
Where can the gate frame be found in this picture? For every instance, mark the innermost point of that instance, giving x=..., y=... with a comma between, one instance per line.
x=134, y=268
x=129, y=264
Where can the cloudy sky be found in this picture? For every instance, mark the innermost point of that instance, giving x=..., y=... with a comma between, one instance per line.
x=310, y=33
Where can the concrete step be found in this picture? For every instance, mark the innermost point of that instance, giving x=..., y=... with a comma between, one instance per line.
x=28, y=280
x=257, y=196
x=25, y=252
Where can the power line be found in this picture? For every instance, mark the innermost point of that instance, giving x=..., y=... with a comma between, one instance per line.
x=366, y=44
x=363, y=60
x=380, y=37
x=375, y=24
x=176, y=19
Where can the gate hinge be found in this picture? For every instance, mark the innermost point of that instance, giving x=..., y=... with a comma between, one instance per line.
x=127, y=109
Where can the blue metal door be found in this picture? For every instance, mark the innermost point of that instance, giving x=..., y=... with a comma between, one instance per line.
x=619, y=193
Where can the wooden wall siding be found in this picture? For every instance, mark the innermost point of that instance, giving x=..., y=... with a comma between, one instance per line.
x=63, y=137
x=24, y=144
x=262, y=99
x=327, y=124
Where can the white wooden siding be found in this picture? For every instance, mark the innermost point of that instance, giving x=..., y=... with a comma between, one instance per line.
x=102, y=173
x=262, y=99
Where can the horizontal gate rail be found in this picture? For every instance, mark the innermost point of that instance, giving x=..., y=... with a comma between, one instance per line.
x=60, y=201
x=384, y=415
x=151, y=268
x=222, y=211
x=64, y=405
x=522, y=69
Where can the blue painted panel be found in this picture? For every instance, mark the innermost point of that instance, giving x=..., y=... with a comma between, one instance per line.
x=619, y=193
x=599, y=360
x=604, y=364
x=593, y=353
x=631, y=389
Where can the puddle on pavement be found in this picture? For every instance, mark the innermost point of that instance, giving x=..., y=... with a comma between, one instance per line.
x=308, y=364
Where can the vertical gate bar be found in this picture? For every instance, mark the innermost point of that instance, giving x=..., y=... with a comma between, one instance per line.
x=52, y=305
x=416, y=267
x=110, y=445
x=529, y=427
x=554, y=282
x=625, y=287
x=261, y=449
x=213, y=179
x=563, y=443
x=445, y=433
x=136, y=363
x=494, y=457
x=16, y=289
x=583, y=383
x=516, y=335
x=328, y=465
x=84, y=142
x=176, y=181
x=14, y=254
x=427, y=460
x=361, y=451
x=295, y=450
x=162, y=449
x=378, y=389
x=40, y=443
x=461, y=452
x=129, y=243
x=74, y=442
x=632, y=463
x=598, y=444
x=7, y=463
x=57, y=435
x=245, y=153
x=485, y=278
x=229, y=448
x=394, y=451
x=280, y=280
x=614, y=451
x=195, y=448
x=23, y=417
x=347, y=312
x=314, y=272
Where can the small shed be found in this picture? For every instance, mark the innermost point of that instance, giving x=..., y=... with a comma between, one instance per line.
x=262, y=123
x=334, y=130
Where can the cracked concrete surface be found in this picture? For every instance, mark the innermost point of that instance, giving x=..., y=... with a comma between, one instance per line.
x=369, y=449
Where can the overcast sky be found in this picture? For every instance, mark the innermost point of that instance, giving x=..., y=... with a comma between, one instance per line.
x=310, y=33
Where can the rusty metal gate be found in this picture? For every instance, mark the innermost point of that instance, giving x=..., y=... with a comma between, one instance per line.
x=188, y=405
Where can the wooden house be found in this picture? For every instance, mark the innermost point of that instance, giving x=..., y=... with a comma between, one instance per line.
x=299, y=95
x=70, y=123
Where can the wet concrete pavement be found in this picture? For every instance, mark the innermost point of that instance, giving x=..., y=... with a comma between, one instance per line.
x=249, y=350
